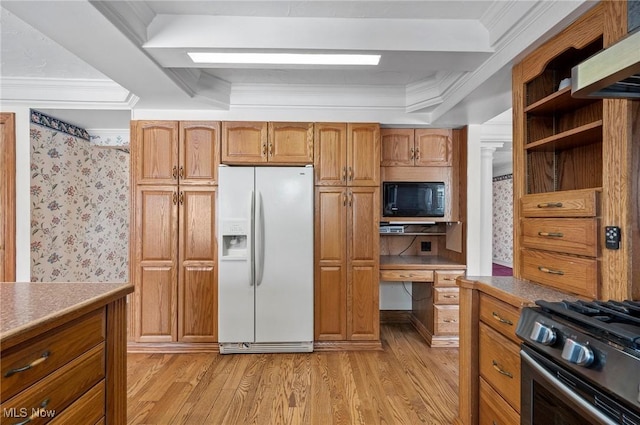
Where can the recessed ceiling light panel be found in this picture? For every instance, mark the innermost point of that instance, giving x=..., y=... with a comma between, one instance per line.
x=283, y=58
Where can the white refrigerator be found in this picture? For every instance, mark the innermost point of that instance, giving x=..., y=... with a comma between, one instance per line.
x=265, y=253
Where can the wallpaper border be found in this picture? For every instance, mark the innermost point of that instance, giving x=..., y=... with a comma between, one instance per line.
x=45, y=120
x=505, y=177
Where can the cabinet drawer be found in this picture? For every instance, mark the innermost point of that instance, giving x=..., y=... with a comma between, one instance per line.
x=577, y=275
x=494, y=410
x=37, y=358
x=577, y=236
x=500, y=364
x=87, y=410
x=62, y=387
x=446, y=319
x=447, y=277
x=406, y=275
x=570, y=203
x=500, y=316
x=446, y=296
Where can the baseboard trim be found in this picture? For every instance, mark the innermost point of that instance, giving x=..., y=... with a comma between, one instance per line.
x=172, y=347
x=347, y=346
x=395, y=316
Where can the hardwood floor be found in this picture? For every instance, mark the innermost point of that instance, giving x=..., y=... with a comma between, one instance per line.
x=406, y=383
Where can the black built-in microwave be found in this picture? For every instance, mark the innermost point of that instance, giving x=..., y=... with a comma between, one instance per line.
x=413, y=199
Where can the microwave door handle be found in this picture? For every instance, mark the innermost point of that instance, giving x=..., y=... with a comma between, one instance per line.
x=578, y=402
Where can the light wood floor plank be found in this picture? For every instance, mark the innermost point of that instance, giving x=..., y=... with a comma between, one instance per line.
x=406, y=383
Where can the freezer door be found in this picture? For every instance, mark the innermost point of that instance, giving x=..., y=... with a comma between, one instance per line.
x=235, y=255
x=284, y=254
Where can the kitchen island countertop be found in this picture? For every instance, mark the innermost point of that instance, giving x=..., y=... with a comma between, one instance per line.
x=26, y=307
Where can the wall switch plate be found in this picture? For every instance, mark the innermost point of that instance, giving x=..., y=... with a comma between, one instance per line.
x=425, y=246
x=612, y=237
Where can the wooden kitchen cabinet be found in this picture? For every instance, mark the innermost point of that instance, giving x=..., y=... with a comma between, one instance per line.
x=168, y=151
x=174, y=252
x=347, y=154
x=568, y=157
x=286, y=143
x=346, y=275
x=416, y=147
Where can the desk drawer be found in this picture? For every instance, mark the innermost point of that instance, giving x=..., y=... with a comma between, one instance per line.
x=500, y=364
x=446, y=319
x=406, y=275
x=37, y=358
x=500, y=316
x=577, y=236
x=568, y=203
x=446, y=296
x=447, y=277
x=578, y=275
x=62, y=387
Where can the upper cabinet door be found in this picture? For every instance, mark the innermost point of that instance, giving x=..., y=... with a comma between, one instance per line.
x=363, y=154
x=199, y=152
x=433, y=147
x=244, y=142
x=397, y=147
x=330, y=154
x=290, y=143
x=155, y=151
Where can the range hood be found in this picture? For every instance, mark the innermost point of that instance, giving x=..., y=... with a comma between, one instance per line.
x=611, y=73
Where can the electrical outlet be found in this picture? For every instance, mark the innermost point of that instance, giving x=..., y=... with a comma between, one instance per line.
x=425, y=246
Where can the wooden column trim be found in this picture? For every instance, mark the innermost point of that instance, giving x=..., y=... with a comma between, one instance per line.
x=468, y=371
x=116, y=373
x=7, y=197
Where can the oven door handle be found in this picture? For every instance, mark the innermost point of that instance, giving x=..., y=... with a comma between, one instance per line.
x=585, y=408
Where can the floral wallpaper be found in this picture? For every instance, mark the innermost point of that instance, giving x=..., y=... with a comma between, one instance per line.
x=503, y=220
x=79, y=206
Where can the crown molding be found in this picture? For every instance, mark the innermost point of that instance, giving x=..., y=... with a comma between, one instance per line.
x=130, y=17
x=59, y=91
x=424, y=95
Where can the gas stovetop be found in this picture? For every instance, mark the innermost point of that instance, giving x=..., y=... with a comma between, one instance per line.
x=598, y=341
x=614, y=321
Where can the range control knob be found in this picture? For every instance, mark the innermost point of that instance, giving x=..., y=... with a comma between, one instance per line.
x=577, y=353
x=543, y=334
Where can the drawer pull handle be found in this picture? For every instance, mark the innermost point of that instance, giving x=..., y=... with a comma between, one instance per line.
x=449, y=320
x=499, y=368
x=500, y=319
x=449, y=278
x=550, y=205
x=550, y=271
x=36, y=413
x=34, y=363
x=450, y=296
x=551, y=234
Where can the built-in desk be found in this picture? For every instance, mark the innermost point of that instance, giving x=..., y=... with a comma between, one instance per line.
x=434, y=305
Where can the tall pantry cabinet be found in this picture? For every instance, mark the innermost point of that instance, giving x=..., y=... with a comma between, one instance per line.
x=173, y=243
x=347, y=178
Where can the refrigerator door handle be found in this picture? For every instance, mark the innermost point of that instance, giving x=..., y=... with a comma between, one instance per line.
x=250, y=241
x=259, y=239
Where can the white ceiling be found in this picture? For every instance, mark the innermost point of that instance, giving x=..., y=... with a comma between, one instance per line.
x=444, y=63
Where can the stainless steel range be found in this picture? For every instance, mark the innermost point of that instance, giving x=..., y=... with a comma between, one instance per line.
x=580, y=363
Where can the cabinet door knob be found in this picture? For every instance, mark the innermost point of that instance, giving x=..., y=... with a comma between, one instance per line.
x=344, y=173
x=181, y=172
x=181, y=198
x=412, y=153
x=174, y=172
x=418, y=153
x=350, y=174
x=175, y=198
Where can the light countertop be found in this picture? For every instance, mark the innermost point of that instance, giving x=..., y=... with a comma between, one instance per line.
x=24, y=305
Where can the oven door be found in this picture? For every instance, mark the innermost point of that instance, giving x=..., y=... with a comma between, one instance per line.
x=553, y=395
